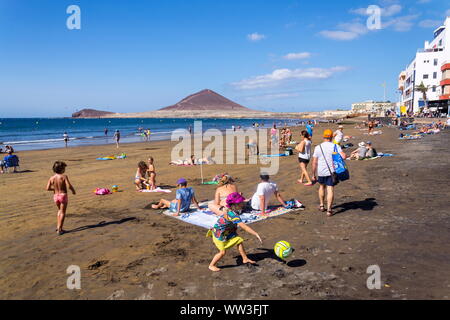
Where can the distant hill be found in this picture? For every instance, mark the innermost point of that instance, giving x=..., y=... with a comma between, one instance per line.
x=91, y=113
x=206, y=100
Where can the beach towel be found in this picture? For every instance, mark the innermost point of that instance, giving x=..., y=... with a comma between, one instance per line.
x=207, y=219
x=274, y=155
x=381, y=155
x=417, y=137
x=211, y=183
x=102, y=192
x=122, y=156
x=157, y=190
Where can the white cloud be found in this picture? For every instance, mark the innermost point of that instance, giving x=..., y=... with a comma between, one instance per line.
x=430, y=23
x=297, y=56
x=273, y=96
x=447, y=13
x=339, y=35
x=388, y=11
x=256, y=37
x=353, y=30
x=401, y=24
x=280, y=75
x=391, y=10
x=346, y=31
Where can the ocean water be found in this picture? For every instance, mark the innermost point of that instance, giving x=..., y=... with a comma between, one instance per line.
x=47, y=133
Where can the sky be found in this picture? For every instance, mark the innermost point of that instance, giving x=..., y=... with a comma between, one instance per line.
x=134, y=56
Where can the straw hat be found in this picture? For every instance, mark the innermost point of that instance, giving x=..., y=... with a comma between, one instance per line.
x=362, y=144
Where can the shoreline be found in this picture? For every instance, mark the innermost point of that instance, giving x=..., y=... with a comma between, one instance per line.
x=95, y=138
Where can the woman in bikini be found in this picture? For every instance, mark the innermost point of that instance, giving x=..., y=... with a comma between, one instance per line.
x=226, y=187
x=140, y=179
x=151, y=173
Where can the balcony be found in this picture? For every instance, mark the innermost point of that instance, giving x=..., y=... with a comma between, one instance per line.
x=445, y=82
x=445, y=97
x=445, y=66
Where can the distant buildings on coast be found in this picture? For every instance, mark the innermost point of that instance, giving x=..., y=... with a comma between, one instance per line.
x=424, y=85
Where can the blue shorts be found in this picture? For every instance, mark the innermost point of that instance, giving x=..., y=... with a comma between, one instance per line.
x=326, y=181
x=173, y=207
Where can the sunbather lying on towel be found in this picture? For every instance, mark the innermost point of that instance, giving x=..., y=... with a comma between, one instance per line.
x=192, y=161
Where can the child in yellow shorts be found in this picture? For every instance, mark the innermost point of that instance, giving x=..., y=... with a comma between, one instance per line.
x=224, y=233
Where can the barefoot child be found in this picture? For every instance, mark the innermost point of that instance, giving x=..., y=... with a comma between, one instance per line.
x=59, y=184
x=151, y=173
x=140, y=179
x=224, y=233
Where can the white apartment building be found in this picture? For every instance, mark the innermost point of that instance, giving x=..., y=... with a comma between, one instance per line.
x=431, y=66
x=373, y=107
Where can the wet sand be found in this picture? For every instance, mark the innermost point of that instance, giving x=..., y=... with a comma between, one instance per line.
x=392, y=213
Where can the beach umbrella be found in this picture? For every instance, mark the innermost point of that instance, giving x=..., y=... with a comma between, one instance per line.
x=201, y=171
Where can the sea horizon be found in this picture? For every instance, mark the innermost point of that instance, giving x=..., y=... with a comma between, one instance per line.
x=41, y=133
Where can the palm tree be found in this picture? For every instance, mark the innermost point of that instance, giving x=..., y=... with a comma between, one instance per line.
x=423, y=89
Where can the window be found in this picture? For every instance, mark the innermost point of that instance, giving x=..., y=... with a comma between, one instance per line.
x=434, y=88
x=434, y=75
x=440, y=43
x=425, y=76
x=435, y=62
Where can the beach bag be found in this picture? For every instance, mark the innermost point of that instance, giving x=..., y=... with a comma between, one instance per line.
x=340, y=166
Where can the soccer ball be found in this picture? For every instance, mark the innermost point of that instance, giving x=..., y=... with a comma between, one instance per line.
x=283, y=249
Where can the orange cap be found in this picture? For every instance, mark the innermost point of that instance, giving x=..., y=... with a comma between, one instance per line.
x=328, y=134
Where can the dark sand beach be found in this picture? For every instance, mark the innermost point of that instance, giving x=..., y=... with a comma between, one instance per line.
x=393, y=213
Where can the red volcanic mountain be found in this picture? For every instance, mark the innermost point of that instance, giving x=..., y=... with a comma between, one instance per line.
x=91, y=113
x=206, y=100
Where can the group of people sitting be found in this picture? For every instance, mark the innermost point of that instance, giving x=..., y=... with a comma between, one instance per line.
x=285, y=137
x=365, y=150
x=185, y=196
x=9, y=161
x=146, y=175
x=434, y=128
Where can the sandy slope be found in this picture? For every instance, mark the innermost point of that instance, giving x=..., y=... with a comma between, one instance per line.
x=393, y=212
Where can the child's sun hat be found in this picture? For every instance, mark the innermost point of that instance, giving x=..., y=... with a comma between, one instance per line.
x=234, y=198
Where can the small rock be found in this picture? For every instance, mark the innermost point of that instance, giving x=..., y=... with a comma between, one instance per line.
x=347, y=269
x=117, y=295
x=280, y=274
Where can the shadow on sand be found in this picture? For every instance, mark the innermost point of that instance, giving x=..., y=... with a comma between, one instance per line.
x=265, y=254
x=365, y=205
x=101, y=225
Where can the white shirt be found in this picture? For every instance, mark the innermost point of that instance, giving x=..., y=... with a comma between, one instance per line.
x=266, y=189
x=328, y=149
x=307, y=154
x=339, y=136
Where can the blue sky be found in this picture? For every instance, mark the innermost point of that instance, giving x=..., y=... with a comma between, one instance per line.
x=132, y=56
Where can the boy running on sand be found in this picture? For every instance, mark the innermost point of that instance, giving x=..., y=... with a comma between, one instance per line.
x=59, y=184
x=224, y=233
